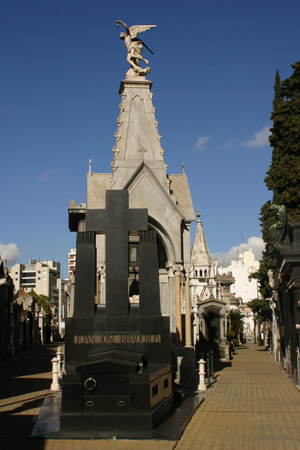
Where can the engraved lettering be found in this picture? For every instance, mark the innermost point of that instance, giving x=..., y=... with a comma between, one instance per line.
x=118, y=339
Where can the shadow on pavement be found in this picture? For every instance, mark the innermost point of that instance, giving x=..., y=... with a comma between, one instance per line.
x=27, y=372
x=25, y=382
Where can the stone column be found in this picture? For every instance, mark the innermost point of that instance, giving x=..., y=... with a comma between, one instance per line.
x=196, y=323
x=188, y=331
x=97, y=286
x=178, y=306
x=59, y=355
x=170, y=304
x=102, y=298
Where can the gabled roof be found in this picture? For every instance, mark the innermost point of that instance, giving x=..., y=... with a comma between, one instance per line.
x=180, y=187
x=143, y=171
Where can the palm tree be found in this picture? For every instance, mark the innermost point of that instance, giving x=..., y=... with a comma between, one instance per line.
x=236, y=324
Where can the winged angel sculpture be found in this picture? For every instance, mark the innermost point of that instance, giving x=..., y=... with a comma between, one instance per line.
x=134, y=48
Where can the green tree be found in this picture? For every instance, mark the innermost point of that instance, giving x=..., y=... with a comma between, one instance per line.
x=236, y=325
x=261, y=312
x=260, y=309
x=283, y=176
x=43, y=302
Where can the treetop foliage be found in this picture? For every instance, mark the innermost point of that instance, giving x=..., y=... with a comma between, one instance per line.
x=42, y=302
x=260, y=309
x=283, y=176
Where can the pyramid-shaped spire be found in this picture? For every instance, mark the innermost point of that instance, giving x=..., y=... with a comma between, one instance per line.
x=137, y=137
x=200, y=252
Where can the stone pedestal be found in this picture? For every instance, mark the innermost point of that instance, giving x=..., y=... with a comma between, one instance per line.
x=114, y=395
x=125, y=364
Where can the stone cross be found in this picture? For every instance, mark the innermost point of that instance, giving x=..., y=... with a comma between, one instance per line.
x=117, y=220
x=143, y=151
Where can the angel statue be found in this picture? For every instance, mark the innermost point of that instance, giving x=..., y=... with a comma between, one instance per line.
x=134, y=48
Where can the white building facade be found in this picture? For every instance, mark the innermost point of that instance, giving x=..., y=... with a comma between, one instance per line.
x=244, y=287
x=71, y=261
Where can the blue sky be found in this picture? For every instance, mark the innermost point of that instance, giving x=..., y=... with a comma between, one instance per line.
x=213, y=73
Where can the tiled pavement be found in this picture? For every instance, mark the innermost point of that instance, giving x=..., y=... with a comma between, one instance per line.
x=253, y=406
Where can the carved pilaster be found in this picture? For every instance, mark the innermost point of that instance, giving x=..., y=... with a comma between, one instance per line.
x=188, y=330
x=178, y=272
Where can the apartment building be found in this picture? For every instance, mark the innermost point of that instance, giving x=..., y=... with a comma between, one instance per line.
x=71, y=261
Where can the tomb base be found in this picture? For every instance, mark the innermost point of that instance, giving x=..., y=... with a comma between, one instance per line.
x=115, y=394
x=129, y=425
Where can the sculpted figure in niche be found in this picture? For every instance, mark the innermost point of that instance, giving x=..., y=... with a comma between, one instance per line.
x=134, y=48
x=278, y=230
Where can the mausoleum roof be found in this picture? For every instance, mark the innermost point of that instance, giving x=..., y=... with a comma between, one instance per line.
x=180, y=187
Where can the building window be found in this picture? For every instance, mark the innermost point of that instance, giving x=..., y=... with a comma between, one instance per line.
x=28, y=274
x=29, y=281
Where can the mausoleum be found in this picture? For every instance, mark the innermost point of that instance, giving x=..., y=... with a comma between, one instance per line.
x=139, y=167
x=132, y=251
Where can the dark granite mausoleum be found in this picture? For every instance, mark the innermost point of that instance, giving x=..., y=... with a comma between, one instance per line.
x=118, y=380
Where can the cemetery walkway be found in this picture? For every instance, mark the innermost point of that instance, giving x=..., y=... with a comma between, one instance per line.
x=253, y=406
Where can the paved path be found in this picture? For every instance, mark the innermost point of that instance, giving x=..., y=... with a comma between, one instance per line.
x=253, y=406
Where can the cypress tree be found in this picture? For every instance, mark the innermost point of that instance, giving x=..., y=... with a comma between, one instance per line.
x=283, y=176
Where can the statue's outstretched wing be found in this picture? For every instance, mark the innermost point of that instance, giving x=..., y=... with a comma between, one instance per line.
x=135, y=30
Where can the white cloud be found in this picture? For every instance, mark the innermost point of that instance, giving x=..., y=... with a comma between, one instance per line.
x=229, y=144
x=201, y=141
x=9, y=252
x=44, y=177
x=255, y=243
x=260, y=138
